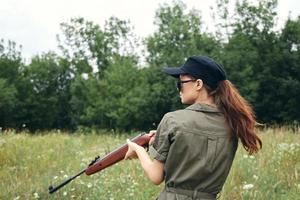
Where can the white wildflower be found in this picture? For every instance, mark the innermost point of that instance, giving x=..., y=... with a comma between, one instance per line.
x=248, y=186
x=283, y=146
x=65, y=176
x=294, y=146
x=89, y=185
x=135, y=183
x=16, y=198
x=251, y=157
x=55, y=177
x=72, y=189
x=62, y=172
x=255, y=177
x=65, y=193
x=245, y=156
x=36, y=195
x=73, y=196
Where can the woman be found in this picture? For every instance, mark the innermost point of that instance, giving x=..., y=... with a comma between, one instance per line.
x=194, y=148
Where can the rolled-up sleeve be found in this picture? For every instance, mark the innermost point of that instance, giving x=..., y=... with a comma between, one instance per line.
x=160, y=148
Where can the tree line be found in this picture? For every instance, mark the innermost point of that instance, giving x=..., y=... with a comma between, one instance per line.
x=98, y=80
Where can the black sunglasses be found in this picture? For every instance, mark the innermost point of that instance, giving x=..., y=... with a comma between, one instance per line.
x=179, y=83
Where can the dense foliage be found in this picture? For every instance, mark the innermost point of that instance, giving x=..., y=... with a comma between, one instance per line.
x=100, y=81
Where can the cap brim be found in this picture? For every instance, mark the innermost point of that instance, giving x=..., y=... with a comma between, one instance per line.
x=175, y=72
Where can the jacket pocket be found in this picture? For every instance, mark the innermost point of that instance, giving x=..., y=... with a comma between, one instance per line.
x=211, y=152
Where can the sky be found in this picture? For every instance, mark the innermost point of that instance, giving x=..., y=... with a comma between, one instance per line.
x=34, y=24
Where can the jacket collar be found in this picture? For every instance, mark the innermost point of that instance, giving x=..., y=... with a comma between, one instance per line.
x=203, y=108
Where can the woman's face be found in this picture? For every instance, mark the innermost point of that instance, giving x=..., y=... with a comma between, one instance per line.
x=189, y=90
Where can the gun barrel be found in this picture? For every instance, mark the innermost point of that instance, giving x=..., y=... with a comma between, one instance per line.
x=54, y=189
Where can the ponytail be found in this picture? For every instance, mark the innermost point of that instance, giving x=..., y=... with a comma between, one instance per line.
x=239, y=115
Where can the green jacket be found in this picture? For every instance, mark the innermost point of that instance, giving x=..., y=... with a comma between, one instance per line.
x=197, y=148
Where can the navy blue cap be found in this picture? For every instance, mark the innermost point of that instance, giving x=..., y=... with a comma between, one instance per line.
x=200, y=67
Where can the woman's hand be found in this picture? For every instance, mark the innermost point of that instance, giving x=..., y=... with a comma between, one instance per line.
x=152, y=135
x=132, y=147
x=131, y=153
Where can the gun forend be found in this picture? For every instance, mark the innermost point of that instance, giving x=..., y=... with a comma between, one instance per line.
x=116, y=155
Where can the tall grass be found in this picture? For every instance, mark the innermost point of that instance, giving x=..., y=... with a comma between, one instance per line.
x=30, y=163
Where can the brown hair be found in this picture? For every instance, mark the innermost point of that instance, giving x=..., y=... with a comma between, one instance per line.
x=239, y=115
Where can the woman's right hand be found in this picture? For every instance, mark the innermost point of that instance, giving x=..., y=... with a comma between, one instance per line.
x=152, y=135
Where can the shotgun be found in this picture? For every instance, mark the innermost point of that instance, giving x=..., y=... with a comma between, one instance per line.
x=113, y=157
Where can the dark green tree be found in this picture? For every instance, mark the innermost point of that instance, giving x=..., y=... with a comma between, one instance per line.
x=10, y=67
x=251, y=53
x=90, y=50
x=117, y=101
x=280, y=86
x=46, y=94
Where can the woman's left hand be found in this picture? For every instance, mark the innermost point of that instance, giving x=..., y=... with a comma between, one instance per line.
x=131, y=153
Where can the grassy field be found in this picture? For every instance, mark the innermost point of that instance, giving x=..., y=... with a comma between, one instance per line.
x=30, y=163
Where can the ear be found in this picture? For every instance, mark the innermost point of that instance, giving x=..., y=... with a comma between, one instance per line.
x=199, y=84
